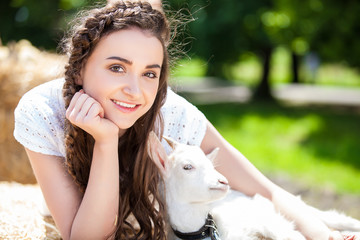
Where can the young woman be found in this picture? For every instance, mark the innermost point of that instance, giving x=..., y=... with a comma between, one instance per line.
x=86, y=134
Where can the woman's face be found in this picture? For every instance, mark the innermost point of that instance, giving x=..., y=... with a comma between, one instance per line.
x=123, y=73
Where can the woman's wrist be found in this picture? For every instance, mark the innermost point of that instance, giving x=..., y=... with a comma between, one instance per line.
x=108, y=142
x=336, y=235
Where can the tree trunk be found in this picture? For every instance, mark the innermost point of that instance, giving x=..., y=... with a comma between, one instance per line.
x=263, y=90
x=295, y=67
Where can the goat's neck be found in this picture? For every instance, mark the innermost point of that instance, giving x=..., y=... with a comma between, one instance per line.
x=187, y=217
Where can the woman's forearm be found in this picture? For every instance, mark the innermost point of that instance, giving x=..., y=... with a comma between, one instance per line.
x=97, y=212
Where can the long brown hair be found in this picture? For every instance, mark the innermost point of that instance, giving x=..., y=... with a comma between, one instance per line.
x=139, y=179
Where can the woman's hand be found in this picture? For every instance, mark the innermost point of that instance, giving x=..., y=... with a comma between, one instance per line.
x=355, y=236
x=86, y=113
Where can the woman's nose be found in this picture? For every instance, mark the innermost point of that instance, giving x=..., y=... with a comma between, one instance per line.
x=132, y=86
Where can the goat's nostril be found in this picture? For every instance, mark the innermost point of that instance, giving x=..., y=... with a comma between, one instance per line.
x=224, y=182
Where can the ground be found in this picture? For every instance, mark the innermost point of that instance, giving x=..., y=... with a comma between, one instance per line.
x=21, y=219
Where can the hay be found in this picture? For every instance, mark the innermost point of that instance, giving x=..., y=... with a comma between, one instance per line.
x=22, y=66
x=20, y=217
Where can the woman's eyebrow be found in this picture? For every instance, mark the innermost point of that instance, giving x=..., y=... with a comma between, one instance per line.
x=130, y=62
x=153, y=66
x=120, y=59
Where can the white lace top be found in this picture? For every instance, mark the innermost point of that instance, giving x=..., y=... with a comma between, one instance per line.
x=40, y=114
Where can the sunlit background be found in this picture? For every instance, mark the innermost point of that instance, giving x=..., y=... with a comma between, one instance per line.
x=279, y=79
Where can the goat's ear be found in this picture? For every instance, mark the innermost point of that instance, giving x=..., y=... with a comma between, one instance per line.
x=213, y=154
x=157, y=153
x=172, y=143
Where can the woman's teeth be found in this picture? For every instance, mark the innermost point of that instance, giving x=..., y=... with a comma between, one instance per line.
x=127, y=105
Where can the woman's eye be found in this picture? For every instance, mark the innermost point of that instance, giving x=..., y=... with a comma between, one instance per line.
x=188, y=167
x=150, y=75
x=116, y=68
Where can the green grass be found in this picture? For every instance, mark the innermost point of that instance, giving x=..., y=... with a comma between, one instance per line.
x=316, y=146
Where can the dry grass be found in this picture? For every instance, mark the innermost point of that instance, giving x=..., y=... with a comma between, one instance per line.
x=20, y=217
x=22, y=66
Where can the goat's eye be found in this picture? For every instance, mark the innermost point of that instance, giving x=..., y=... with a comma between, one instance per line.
x=188, y=167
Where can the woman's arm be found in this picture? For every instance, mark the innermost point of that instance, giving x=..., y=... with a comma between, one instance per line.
x=90, y=217
x=97, y=213
x=243, y=176
x=60, y=192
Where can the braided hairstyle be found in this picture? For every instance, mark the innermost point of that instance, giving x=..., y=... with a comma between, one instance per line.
x=139, y=178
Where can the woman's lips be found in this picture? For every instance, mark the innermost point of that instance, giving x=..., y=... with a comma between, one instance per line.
x=125, y=107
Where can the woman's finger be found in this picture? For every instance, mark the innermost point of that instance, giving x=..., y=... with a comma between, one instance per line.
x=76, y=108
x=352, y=237
x=96, y=110
x=72, y=103
x=84, y=111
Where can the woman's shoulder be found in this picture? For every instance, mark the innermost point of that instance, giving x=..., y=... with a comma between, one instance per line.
x=182, y=120
x=175, y=104
x=173, y=98
x=48, y=92
x=46, y=99
x=39, y=118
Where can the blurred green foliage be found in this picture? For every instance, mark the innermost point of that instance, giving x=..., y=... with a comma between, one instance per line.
x=224, y=30
x=224, y=33
x=42, y=22
x=247, y=71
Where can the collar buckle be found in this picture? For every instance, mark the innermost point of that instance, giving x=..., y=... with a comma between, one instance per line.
x=208, y=230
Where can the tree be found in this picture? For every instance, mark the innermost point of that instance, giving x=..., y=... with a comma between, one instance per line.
x=41, y=22
x=337, y=39
x=330, y=29
x=223, y=30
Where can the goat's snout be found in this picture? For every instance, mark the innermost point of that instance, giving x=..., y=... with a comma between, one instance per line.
x=223, y=182
x=222, y=185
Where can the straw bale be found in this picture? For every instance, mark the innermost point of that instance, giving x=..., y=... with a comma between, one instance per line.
x=22, y=67
x=20, y=217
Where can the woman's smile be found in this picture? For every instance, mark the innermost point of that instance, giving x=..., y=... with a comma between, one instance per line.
x=125, y=107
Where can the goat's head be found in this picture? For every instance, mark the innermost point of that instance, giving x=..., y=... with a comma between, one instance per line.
x=188, y=173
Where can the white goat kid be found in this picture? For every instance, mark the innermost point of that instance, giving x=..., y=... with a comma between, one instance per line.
x=194, y=189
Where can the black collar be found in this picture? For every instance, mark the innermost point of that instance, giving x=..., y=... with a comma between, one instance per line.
x=208, y=230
